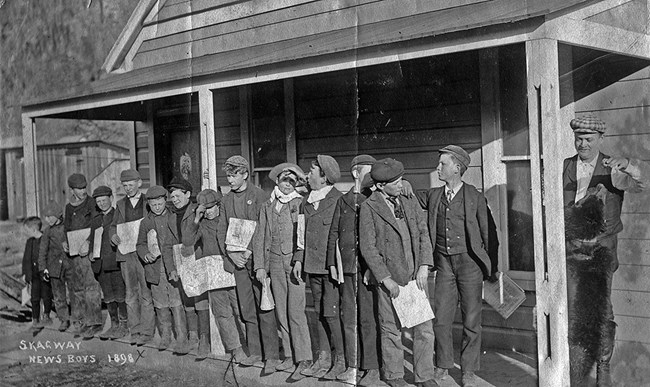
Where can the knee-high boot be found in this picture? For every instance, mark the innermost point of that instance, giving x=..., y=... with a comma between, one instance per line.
x=112, y=312
x=204, y=334
x=165, y=327
x=180, y=326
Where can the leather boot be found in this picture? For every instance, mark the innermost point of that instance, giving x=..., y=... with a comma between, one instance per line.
x=122, y=327
x=191, y=315
x=603, y=376
x=320, y=366
x=165, y=326
x=204, y=334
x=112, y=312
x=182, y=346
x=337, y=368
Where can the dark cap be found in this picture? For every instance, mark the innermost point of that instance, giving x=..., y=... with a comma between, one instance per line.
x=52, y=208
x=386, y=170
x=287, y=167
x=77, y=180
x=129, y=175
x=362, y=160
x=179, y=183
x=330, y=168
x=156, y=192
x=102, y=190
x=458, y=152
x=237, y=161
x=587, y=125
x=209, y=198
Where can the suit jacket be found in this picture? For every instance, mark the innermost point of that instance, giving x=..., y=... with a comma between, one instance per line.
x=381, y=241
x=165, y=226
x=317, y=228
x=345, y=230
x=255, y=198
x=108, y=252
x=263, y=238
x=480, y=229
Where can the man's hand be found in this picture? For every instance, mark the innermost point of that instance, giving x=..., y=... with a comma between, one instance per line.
x=297, y=271
x=616, y=162
x=238, y=258
x=199, y=213
x=115, y=240
x=260, y=274
x=26, y=280
x=45, y=275
x=65, y=247
x=407, y=189
x=392, y=287
x=149, y=258
x=187, y=251
x=366, y=277
x=173, y=276
x=83, y=249
x=494, y=277
x=91, y=258
x=422, y=278
x=333, y=273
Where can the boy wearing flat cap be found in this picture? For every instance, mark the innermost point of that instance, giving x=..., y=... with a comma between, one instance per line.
x=318, y=209
x=275, y=244
x=590, y=168
x=105, y=266
x=465, y=246
x=159, y=266
x=54, y=264
x=87, y=309
x=395, y=243
x=139, y=303
x=358, y=306
x=200, y=236
x=245, y=201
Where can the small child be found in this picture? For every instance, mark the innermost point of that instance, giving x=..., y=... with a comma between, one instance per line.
x=53, y=262
x=41, y=290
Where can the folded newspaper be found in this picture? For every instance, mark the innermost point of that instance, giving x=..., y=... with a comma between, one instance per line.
x=128, y=233
x=76, y=240
x=152, y=243
x=97, y=242
x=504, y=295
x=412, y=305
x=199, y=276
x=240, y=233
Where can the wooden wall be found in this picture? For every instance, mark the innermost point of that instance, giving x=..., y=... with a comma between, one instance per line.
x=625, y=108
x=227, y=128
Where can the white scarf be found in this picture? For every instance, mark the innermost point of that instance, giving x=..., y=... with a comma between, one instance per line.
x=282, y=198
x=317, y=195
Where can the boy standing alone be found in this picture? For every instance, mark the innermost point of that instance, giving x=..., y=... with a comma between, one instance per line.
x=41, y=289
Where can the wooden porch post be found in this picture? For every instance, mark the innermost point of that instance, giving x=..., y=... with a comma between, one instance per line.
x=208, y=147
x=548, y=211
x=29, y=157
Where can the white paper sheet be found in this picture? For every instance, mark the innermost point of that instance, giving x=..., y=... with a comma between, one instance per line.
x=300, y=231
x=76, y=239
x=239, y=234
x=128, y=233
x=412, y=305
x=199, y=276
x=97, y=242
x=152, y=243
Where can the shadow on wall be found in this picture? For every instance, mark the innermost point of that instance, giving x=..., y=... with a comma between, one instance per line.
x=631, y=364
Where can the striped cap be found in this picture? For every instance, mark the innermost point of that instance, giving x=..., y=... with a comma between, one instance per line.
x=587, y=125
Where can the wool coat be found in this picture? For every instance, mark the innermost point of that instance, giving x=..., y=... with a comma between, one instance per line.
x=345, y=230
x=50, y=253
x=381, y=241
x=167, y=234
x=108, y=253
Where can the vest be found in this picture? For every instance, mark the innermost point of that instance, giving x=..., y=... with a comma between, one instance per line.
x=406, y=244
x=602, y=175
x=450, y=225
x=281, y=230
x=133, y=213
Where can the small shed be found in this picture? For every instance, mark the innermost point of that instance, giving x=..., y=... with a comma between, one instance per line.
x=55, y=163
x=288, y=80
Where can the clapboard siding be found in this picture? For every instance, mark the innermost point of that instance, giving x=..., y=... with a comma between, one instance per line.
x=227, y=128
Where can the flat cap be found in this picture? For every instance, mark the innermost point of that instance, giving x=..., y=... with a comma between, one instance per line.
x=287, y=167
x=458, y=152
x=237, y=161
x=362, y=160
x=77, y=180
x=386, y=170
x=587, y=125
x=102, y=190
x=52, y=208
x=330, y=167
x=179, y=183
x=129, y=175
x=209, y=198
x=156, y=192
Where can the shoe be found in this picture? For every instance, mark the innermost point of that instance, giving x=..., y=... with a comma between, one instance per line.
x=348, y=376
x=269, y=366
x=112, y=312
x=65, y=324
x=298, y=372
x=37, y=325
x=91, y=331
x=469, y=379
x=204, y=347
x=193, y=340
x=121, y=331
x=439, y=374
x=250, y=361
x=399, y=382
x=337, y=368
x=144, y=339
x=238, y=355
x=286, y=364
x=371, y=378
x=133, y=340
x=429, y=383
x=47, y=321
x=76, y=328
x=320, y=366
